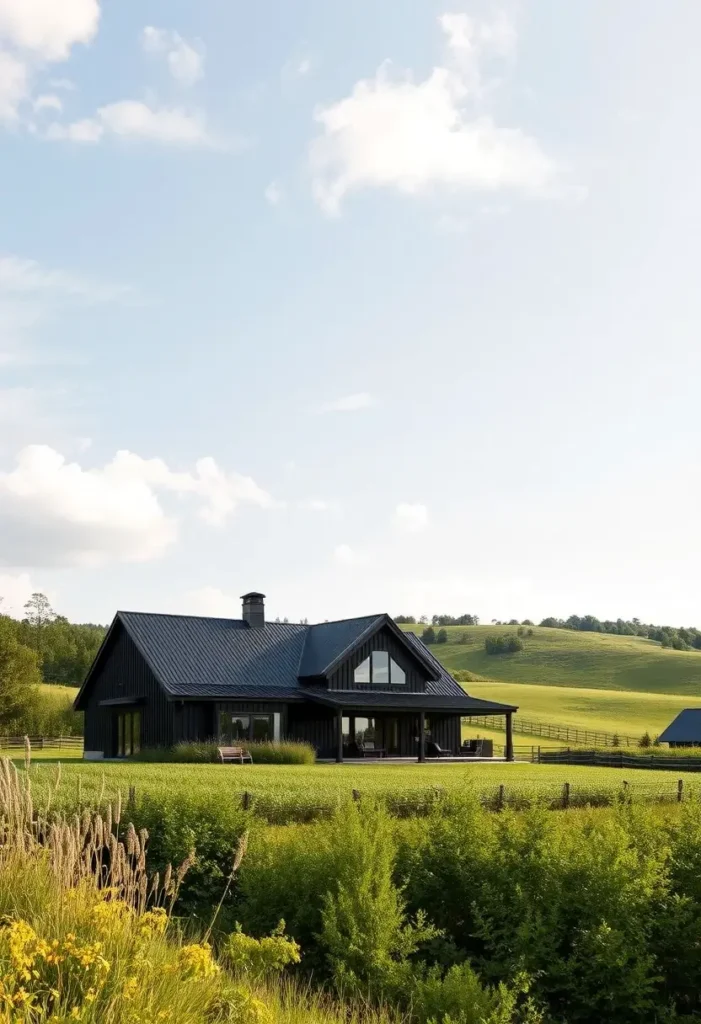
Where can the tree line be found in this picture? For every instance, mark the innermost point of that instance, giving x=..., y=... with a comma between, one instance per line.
x=43, y=647
x=680, y=638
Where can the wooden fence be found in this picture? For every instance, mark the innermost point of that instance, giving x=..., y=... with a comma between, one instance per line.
x=616, y=759
x=567, y=733
x=43, y=742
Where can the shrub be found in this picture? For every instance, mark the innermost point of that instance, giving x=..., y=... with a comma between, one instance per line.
x=645, y=740
x=260, y=958
x=286, y=752
x=506, y=644
x=442, y=636
x=429, y=635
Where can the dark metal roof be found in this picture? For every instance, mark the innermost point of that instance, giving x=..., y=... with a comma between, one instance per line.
x=200, y=657
x=686, y=728
x=444, y=682
x=405, y=701
x=327, y=642
x=196, y=658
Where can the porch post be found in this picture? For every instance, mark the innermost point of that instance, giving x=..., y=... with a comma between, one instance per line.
x=339, y=737
x=509, y=736
x=422, y=736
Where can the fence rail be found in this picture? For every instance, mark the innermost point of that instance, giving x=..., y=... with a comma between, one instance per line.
x=616, y=759
x=568, y=733
x=43, y=742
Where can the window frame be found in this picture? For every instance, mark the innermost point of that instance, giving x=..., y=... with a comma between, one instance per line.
x=390, y=681
x=129, y=732
x=274, y=719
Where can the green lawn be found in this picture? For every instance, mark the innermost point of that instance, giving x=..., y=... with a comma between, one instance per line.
x=609, y=710
x=565, y=658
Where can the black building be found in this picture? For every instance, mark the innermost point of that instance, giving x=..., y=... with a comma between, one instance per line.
x=349, y=687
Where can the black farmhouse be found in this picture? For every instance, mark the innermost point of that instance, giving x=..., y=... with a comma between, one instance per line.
x=348, y=688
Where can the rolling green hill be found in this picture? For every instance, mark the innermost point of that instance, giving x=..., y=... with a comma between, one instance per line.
x=563, y=657
x=618, y=684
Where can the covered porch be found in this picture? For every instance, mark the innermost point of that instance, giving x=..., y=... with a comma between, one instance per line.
x=379, y=726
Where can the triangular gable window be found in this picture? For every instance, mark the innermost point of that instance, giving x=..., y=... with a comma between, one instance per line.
x=380, y=670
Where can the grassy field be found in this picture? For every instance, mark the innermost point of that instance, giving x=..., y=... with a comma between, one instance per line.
x=609, y=710
x=290, y=792
x=565, y=658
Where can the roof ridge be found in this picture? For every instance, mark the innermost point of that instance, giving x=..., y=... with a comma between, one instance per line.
x=182, y=615
x=351, y=618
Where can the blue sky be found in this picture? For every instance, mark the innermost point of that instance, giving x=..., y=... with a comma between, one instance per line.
x=370, y=307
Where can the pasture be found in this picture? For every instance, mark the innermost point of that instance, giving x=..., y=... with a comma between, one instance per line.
x=284, y=793
x=627, y=713
x=566, y=658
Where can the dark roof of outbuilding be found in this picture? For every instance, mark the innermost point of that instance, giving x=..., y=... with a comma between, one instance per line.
x=686, y=728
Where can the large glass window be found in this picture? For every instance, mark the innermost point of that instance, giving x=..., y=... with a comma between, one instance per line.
x=262, y=728
x=128, y=733
x=380, y=670
x=380, y=667
x=235, y=727
x=365, y=732
x=362, y=673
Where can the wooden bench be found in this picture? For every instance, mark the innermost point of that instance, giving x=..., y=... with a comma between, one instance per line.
x=227, y=754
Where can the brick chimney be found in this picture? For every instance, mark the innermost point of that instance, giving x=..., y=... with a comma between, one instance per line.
x=254, y=609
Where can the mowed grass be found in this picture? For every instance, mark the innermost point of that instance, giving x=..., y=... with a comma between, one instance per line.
x=566, y=658
x=290, y=792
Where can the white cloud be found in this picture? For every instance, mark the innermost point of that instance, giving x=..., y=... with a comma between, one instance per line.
x=136, y=120
x=349, y=403
x=14, y=83
x=48, y=28
x=185, y=61
x=213, y=602
x=273, y=194
x=20, y=276
x=410, y=518
x=48, y=102
x=15, y=591
x=53, y=512
x=315, y=505
x=395, y=132
x=304, y=67
x=344, y=554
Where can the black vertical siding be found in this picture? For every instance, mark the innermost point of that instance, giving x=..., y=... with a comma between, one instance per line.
x=123, y=672
x=384, y=640
x=318, y=726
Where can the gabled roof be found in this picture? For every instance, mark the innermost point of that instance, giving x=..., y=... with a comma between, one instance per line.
x=194, y=657
x=686, y=728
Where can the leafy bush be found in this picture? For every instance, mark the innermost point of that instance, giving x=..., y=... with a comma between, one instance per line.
x=506, y=644
x=286, y=752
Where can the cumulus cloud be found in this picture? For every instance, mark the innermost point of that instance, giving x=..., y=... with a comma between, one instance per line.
x=48, y=28
x=53, y=512
x=315, y=505
x=136, y=120
x=395, y=132
x=36, y=31
x=14, y=84
x=185, y=60
x=410, y=518
x=348, y=403
x=27, y=277
x=48, y=101
x=15, y=591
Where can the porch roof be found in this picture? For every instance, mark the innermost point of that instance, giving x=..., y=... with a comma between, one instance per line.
x=354, y=700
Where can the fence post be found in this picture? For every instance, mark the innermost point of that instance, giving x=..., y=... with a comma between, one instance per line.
x=500, y=804
x=246, y=801
x=680, y=790
x=566, y=795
